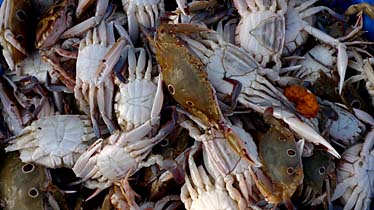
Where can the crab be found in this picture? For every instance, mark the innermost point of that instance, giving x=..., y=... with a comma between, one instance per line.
x=202, y=192
x=29, y=101
x=33, y=65
x=297, y=29
x=35, y=73
x=236, y=75
x=123, y=197
x=143, y=12
x=119, y=156
x=318, y=59
x=365, y=69
x=55, y=141
x=346, y=129
x=27, y=186
x=139, y=99
x=15, y=31
x=298, y=25
x=80, y=28
x=54, y=22
x=12, y=114
x=48, y=32
x=98, y=53
x=278, y=180
x=252, y=31
x=355, y=172
x=317, y=169
x=220, y=162
x=180, y=69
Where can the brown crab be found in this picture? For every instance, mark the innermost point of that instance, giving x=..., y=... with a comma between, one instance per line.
x=15, y=30
x=49, y=29
x=278, y=180
x=180, y=69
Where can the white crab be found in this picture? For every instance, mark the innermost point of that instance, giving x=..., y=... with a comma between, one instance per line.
x=298, y=26
x=261, y=29
x=319, y=58
x=221, y=162
x=33, y=65
x=143, y=12
x=297, y=29
x=228, y=65
x=365, y=68
x=355, y=175
x=347, y=128
x=119, y=156
x=140, y=98
x=55, y=141
x=355, y=172
x=98, y=53
x=200, y=191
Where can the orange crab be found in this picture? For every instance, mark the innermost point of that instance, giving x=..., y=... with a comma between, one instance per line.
x=306, y=102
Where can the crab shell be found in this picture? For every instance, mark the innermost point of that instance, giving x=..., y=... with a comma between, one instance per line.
x=53, y=23
x=347, y=129
x=286, y=174
x=55, y=141
x=25, y=185
x=180, y=69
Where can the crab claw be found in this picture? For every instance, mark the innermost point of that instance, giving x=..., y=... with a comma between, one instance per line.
x=85, y=165
x=307, y=132
x=181, y=4
x=342, y=62
x=301, y=128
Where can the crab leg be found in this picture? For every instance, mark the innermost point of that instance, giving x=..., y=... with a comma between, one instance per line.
x=12, y=111
x=342, y=59
x=102, y=9
x=295, y=124
x=138, y=134
x=110, y=59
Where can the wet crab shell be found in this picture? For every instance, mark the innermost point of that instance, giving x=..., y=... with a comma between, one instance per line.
x=347, y=129
x=25, y=186
x=55, y=141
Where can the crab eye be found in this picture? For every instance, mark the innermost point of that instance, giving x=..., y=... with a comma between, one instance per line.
x=171, y=89
x=33, y=192
x=290, y=170
x=21, y=15
x=189, y=103
x=281, y=138
x=19, y=38
x=28, y=168
x=164, y=142
x=322, y=170
x=356, y=104
x=291, y=152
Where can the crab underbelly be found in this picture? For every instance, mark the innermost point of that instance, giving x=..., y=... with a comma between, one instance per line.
x=114, y=162
x=134, y=102
x=88, y=60
x=60, y=136
x=214, y=200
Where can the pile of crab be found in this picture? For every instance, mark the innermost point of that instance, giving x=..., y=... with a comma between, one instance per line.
x=153, y=104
